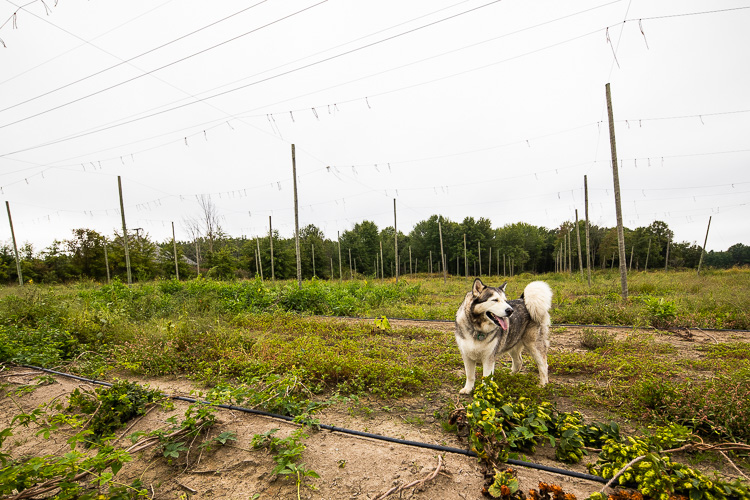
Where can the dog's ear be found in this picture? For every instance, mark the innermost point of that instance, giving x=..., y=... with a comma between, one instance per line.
x=502, y=287
x=477, y=288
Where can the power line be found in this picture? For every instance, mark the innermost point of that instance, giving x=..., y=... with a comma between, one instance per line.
x=125, y=61
x=230, y=90
x=164, y=66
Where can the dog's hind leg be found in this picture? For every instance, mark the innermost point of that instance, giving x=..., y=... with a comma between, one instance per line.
x=516, y=358
x=470, y=366
x=538, y=351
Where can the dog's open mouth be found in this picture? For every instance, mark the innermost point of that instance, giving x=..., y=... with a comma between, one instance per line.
x=501, y=322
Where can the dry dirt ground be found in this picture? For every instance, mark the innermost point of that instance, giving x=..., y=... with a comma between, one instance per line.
x=350, y=467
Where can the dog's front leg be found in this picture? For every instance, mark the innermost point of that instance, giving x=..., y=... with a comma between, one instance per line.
x=470, y=366
x=488, y=365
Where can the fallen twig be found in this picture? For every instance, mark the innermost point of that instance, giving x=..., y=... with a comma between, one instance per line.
x=734, y=465
x=415, y=484
x=621, y=472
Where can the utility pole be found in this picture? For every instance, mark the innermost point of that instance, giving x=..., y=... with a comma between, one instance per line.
x=479, y=253
x=296, y=220
x=395, y=236
x=666, y=260
x=618, y=205
x=341, y=272
x=704, y=246
x=382, y=275
x=466, y=260
x=313, y=257
x=578, y=237
x=270, y=239
x=588, y=250
x=15, y=247
x=648, y=252
x=174, y=246
x=106, y=261
x=124, y=232
x=442, y=254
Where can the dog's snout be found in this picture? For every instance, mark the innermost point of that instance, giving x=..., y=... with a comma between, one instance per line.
x=509, y=311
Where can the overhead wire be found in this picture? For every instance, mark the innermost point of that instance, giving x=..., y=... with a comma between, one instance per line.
x=130, y=59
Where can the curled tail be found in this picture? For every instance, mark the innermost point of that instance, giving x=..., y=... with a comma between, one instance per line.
x=538, y=299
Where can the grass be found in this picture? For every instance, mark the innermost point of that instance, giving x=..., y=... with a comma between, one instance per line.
x=257, y=333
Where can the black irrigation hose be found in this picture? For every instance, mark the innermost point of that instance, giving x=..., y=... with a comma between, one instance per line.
x=333, y=428
x=553, y=324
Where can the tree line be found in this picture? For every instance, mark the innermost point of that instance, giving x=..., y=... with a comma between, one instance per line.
x=471, y=247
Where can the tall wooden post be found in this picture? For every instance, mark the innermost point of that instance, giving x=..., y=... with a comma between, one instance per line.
x=106, y=261
x=296, y=220
x=489, y=263
x=704, y=246
x=341, y=271
x=124, y=232
x=411, y=271
x=666, y=260
x=351, y=272
x=15, y=247
x=570, y=252
x=270, y=240
x=618, y=205
x=174, y=247
x=588, y=249
x=197, y=258
x=331, y=267
x=466, y=260
x=479, y=253
x=578, y=237
x=382, y=275
x=260, y=259
x=632, y=249
x=313, y=257
x=442, y=253
x=395, y=236
x=648, y=252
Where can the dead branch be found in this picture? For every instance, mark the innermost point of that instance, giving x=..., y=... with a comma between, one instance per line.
x=415, y=484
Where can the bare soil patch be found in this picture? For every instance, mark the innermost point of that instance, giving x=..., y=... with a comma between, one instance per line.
x=350, y=467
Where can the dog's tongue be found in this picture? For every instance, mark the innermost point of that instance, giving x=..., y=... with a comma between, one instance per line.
x=503, y=323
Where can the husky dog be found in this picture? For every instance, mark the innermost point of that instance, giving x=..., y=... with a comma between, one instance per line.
x=487, y=324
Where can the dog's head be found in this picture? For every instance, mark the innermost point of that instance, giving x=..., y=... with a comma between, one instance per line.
x=489, y=308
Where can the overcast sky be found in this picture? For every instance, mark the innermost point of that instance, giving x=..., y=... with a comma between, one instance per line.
x=490, y=109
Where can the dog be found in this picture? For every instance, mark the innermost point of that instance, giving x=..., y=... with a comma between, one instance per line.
x=488, y=324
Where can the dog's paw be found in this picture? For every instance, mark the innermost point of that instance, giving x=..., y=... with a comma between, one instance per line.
x=465, y=390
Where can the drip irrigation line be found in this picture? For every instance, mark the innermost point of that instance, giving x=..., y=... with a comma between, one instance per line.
x=333, y=428
x=553, y=324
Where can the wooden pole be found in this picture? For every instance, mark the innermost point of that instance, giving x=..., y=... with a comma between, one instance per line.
x=296, y=220
x=504, y=265
x=260, y=259
x=341, y=272
x=666, y=260
x=395, y=236
x=382, y=272
x=174, y=246
x=489, y=263
x=430, y=266
x=618, y=205
x=411, y=271
x=106, y=261
x=442, y=253
x=578, y=237
x=479, y=254
x=704, y=246
x=124, y=232
x=648, y=252
x=351, y=272
x=588, y=249
x=331, y=267
x=197, y=258
x=270, y=238
x=466, y=260
x=15, y=247
x=312, y=245
x=632, y=249
x=570, y=251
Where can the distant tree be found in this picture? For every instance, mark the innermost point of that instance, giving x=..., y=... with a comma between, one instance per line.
x=86, y=250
